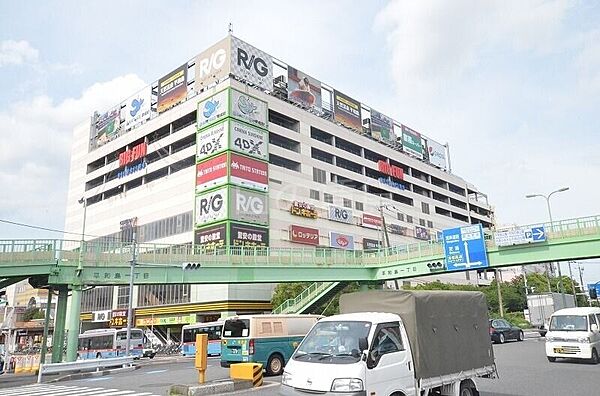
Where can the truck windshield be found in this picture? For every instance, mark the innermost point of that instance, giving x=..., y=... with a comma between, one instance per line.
x=236, y=328
x=333, y=342
x=568, y=323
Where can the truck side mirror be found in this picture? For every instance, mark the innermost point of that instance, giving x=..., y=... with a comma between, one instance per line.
x=594, y=327
x=363, y=344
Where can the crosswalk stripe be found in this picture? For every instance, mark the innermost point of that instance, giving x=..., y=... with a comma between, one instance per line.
x=62, y=390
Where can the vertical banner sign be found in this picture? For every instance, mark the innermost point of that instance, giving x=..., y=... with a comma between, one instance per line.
x=213, y=65
x=248, y=140
x=211, y=207
x=212, y=109
x=137, y=108
x=248, y=206
x=249, y=109
x=305, y=235
x=172, y=89
x=411, y=142
x=211, y=173
x=248, y=172
x=247, y=235
x=437, y=154
x=382, y=127
x=341, y=241
x=211, y=237
x=212, y=140
x=251, y=64
x=304, y=89
x=347, y=111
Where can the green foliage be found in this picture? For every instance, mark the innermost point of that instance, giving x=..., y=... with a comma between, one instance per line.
x=32, y=313
x=285, y=291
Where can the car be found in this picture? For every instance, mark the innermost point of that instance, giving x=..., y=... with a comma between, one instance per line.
x=149, y=352
x=501, y=330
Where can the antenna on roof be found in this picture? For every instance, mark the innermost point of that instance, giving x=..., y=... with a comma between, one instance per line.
x=230, y=28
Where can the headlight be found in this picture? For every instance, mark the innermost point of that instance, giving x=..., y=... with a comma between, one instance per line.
x=286, y=378
x=585, y=340
x=347, y=385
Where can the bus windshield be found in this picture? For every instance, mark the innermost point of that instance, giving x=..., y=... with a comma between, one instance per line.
x=569, y=323
x=235, y=328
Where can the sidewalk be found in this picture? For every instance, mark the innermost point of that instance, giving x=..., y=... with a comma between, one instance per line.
x=12, y=380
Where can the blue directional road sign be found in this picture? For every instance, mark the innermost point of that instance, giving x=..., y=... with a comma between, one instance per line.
x=538, y=234
x=595, y=286
x=465, y=248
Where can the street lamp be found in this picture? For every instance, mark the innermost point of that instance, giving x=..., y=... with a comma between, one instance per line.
x=547, y=198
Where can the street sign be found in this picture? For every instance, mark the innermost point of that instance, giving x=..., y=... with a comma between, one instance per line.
x=464, y=248
x=520, y=236
x=594, y=286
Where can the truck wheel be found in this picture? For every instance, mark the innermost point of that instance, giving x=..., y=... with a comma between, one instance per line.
x=466, y=389
x=594, y=359
x=551, y=359
x=521, y=336
x=501, y=338
x=275, y=365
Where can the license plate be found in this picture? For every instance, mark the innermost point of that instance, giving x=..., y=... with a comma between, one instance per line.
x=558, y=350
x=234, y=351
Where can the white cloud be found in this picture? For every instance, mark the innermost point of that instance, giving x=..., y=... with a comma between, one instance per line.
x=17, y=53
x=35, y=153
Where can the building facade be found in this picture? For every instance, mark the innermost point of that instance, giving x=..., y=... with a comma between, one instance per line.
x=237, y=148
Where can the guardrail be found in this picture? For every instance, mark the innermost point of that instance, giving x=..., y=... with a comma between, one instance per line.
x=83, y=365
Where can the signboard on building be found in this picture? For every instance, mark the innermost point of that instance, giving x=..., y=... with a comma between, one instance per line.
x=211, y=173
x=172, y=89
x=391, y=183
x=341, y=241
x=166, y=320
x=137, y=108
x=118, y=318
x=211, y=237
x=304, y=89
x=213, y=65
x=305, y=235
x=303, y=209
x=212, y=109
x=248, y=206
x=411, y=142
x=520, y=236
x=247, y=235
x=382, y=127
x=398, y=229
x=101, y=316
x=249, y=109
x=212, y=140
x=342, y=215
x=371, y=221
x=371, y=244
x=347, y=111
x=248, y=172
x=249, y=140
x=422, y=233
x=107, y=126
x=437, y=154
x=464, y=248
x=134, y=154
x=211, y=207
x=251, y=64
x=390, y=170
x=132, y=168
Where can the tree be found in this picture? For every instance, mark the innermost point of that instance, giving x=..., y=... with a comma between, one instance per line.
x=32, y=313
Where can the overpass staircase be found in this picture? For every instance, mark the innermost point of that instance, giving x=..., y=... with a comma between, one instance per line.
x=310, y=298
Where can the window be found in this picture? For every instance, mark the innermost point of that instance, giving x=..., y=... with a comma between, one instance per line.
x=422, y=222
x=358, y=206
x=347, y=203
x=328, y=198
x=284, y=121
x=284, y=162
x=429, y=223
x=123, y=297
x=409, y=219
x=314, y=194
x=387, y=339
x=401, y=216
x=319, y=175
x=425, y=207
x=593, y=319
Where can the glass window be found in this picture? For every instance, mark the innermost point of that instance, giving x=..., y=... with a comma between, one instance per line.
x=314, y=194
x=593, y=319
x=569, y=323
x=236, y=328
x=422, y=222
x=319, y=175
x=335, y=341
x=429, y=223
x=409, y=219
x=328, y=198
x=347, y=203
x=425, y=207
x=358, y=206
x=401, y=216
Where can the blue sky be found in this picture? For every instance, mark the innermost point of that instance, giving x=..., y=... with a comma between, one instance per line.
x=514, y=87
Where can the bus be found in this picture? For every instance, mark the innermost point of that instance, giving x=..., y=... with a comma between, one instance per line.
x=109, y=343
x=188, y=337
x=267, y=339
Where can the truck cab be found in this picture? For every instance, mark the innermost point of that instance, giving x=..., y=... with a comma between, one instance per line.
x=574, y=333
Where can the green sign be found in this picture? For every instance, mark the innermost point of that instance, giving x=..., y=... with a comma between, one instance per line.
x=411, y=142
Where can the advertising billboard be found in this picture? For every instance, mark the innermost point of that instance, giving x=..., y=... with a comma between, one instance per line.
x=371, y=244
x=371, y=221
x=248, y=140
x=212, y=109
x=247, y=235
x=211, y=207
x=251, y=64
x=347, y=111
x=397, y=229
x=107, y=126
x=248, y=206
x=437, y=154
x=339, y=214
x=382, y=127
x=248, y=172
x=172, y=88
x=304, y=89
x=411, y=142
x=137, y=108
x=304, y=209
x=212, y=65
x=341, y=241
x=249, y=109
x=422, y=233
x=305, y=235
x=211, y=173
x=211, y=237
x=212, y=140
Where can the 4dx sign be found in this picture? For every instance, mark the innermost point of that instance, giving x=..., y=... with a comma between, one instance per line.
x=232, y=135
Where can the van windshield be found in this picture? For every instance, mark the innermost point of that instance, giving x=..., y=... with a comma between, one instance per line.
x=333, y=342
x=569, y=323
x=235, y=328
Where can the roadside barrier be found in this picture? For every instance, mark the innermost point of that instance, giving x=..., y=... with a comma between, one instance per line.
x=247, y=371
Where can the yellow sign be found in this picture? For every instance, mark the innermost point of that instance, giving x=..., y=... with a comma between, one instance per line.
x=303, y=209
x=166, y=320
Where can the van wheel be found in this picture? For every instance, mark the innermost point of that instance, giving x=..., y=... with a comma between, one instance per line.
x=551, y=359
x=275, y=365
x=594, y=359
x=467, y=388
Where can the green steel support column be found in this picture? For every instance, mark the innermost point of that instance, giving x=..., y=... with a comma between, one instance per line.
x=73, y=334
x=46, y=325
x=58, y=336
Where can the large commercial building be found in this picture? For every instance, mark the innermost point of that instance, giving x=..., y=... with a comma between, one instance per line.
x=235, y=147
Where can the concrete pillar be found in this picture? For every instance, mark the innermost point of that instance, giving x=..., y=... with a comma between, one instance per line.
x=58, y=336
x=73, y=334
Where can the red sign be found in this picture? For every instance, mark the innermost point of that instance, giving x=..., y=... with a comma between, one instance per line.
x=306, y=235
x=248, y=172
x=391, y=170
x=128, y=156
x=212, y=172
x=371, y=221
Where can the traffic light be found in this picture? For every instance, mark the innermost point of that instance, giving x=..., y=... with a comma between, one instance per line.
x=190, y=266
x=436, y=266
x=593, y=292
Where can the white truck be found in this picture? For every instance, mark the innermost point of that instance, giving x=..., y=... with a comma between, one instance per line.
x=542, y=306
x=395, y=343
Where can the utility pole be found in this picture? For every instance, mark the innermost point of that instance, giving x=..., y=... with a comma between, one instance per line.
x=581, y=283
x=130, y=303
x=572, y=282
x=500, y=303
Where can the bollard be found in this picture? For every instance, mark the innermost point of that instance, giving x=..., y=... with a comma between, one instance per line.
x=18, y=364
x=247, y=371
x=35, y=364
x=27, y=364
x=201, y=356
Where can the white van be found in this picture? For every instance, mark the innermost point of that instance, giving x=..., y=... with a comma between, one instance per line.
x=573, y=333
